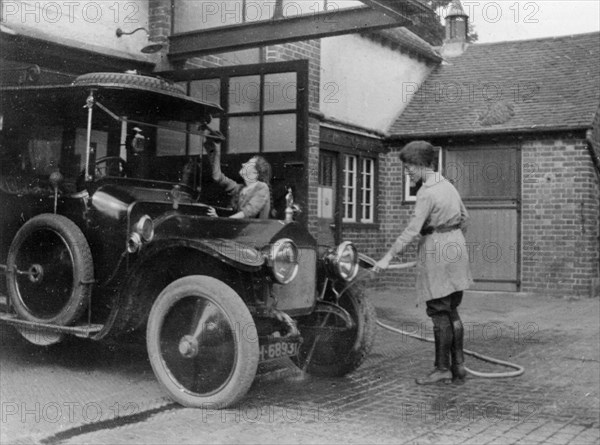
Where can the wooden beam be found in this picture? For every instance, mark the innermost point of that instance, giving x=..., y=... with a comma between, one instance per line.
x=395, y=8
x=272, y=32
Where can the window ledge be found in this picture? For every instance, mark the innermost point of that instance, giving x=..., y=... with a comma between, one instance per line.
x=360, y=226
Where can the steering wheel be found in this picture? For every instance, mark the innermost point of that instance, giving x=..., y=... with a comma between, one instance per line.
x=109, y=166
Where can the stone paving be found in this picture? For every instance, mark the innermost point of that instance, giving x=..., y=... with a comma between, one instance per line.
x=556, y=401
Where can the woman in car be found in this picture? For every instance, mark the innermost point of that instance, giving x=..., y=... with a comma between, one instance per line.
x=443, y=270
x=252, y=199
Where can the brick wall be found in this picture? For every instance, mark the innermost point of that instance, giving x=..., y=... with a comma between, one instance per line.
x=159, y=19
x=306, y=50
x=560, y=214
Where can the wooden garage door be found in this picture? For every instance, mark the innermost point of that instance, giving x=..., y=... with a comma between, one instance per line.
x=488, y=179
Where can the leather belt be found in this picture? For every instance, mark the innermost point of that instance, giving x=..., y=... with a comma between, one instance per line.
x=440, y=229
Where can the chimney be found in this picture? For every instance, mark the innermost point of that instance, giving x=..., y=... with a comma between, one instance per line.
x=457, y=28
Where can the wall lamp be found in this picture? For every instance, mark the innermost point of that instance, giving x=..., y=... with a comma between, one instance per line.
x=148, y=49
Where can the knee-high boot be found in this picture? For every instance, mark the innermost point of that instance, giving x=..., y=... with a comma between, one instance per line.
x=456, y=351
x=442, y=334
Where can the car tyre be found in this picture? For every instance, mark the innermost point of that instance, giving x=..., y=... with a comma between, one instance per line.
x=59, y=270
x=202, y=343
x=337, y=350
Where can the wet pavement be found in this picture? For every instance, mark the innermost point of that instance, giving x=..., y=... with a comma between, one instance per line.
x=82, y=392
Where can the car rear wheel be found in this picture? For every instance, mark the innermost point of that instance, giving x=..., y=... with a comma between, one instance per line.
x=337, y=337
x=202, y=342
x=52, y=271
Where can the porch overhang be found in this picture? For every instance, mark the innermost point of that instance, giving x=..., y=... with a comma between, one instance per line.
x=376, y=15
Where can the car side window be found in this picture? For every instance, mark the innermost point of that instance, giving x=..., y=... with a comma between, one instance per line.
x=28, y=158
x=44, y=149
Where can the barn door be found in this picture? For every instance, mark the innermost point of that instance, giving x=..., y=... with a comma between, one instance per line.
x=488, y=179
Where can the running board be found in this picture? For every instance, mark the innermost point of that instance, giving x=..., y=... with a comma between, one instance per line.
x=82, y=331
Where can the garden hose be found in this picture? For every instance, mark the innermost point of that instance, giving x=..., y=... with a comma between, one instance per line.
x=367, y=263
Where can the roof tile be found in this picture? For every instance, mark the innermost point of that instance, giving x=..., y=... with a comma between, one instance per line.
x=509, y=86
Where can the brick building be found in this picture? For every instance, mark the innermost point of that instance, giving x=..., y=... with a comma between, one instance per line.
x=511, y=118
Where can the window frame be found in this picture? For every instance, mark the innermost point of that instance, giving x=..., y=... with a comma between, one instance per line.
x=343, y=142
x=371, y=188
x=358, y=196
x=224, y=75
x=346, y=189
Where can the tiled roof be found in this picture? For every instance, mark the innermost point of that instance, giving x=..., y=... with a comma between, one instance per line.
x=529, y=85
x=409, y=41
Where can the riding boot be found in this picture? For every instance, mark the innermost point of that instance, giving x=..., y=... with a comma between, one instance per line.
x=456, y=351
x=442, y=334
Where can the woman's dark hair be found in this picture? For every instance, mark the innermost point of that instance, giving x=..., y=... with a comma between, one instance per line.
x=419, y=153
x=263, y=170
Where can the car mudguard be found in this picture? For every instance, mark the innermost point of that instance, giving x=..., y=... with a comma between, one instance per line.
x=165, y=261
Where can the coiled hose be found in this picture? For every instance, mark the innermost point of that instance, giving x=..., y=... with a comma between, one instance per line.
x=367, y=263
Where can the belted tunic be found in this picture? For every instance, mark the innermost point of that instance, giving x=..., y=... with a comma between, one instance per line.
x=443, y=258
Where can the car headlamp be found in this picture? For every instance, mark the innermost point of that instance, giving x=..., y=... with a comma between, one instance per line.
x=282, y=258
x=143, y=232
x=345, y=261
x=145, y=228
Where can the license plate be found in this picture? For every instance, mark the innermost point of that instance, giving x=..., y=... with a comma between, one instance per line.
x=278, y=348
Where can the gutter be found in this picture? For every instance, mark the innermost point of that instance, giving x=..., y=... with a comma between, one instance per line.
x=480, y=132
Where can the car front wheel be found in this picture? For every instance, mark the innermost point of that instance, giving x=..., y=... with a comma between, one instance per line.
x=202, y=343
x=337, y=336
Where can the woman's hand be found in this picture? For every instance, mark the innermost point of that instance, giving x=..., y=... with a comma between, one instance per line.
x=382, y=264
x=212, y=147
x=212, y=212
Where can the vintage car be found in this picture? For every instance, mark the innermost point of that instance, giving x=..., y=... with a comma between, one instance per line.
x=93, y=245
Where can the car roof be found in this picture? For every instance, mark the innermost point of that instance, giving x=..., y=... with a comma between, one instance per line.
x=124, y=99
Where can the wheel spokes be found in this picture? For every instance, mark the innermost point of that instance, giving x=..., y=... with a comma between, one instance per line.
x=197, y=344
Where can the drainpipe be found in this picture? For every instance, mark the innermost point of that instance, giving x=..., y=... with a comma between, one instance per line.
x=594, y=147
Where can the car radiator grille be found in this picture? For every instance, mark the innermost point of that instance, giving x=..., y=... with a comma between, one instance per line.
x=299, y=295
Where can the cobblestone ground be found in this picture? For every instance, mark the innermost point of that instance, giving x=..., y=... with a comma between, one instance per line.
x=556, y=401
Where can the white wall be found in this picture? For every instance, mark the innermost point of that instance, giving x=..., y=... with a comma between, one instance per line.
x=82, y=24
x=362, y=81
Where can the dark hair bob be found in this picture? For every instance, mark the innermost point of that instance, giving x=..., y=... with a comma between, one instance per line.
x=419, y=153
